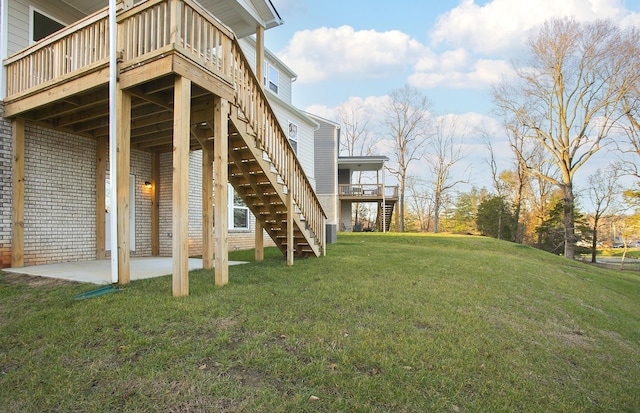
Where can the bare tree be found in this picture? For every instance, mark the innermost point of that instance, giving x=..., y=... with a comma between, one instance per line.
x=631, y=109
x=355, y=139
x=498, y=184
x=420, y=203
x=354, y=130
x=445, y=152
x=567, y=98
x=407, y=124
x=603, y=188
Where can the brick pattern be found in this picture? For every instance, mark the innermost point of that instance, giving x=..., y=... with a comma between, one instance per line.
x=5, y=190
x=60, y=199
x=60, y=196
x=140, y=168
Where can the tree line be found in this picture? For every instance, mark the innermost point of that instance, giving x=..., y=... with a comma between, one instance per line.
x=575, y=93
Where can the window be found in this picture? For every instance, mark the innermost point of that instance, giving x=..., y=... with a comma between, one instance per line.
x=271, y=78
x=293, y=136
x=238, y=211
x=43, y=25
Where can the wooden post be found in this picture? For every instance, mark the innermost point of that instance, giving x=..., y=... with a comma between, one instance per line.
x=207, y=205
x=221, y=179
x=181, y=140
x=17, y=198
x=259, y=237
x=123, y=159
x=155, y=207
x=290, y=211
x=101, y=168
x=259, y=241
x=260, y=55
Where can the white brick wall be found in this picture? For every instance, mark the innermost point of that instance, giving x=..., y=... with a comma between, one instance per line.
x=60, y=199
x=5, y=190
x=59, y=210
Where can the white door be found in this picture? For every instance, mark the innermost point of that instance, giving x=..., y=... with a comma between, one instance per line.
x=132, y=214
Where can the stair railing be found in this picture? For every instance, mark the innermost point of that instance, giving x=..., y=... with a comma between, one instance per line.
x=271, y=138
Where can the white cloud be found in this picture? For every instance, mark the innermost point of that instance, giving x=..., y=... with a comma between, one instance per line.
x=445, y=73
x=327, y=52
x=503, y=25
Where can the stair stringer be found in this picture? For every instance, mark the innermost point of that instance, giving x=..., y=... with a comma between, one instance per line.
x=303, y=237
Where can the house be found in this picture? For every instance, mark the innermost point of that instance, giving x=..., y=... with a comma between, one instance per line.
x=133, y=154
x=353, y=191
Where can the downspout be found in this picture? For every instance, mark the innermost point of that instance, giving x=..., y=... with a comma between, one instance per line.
x=113, y=73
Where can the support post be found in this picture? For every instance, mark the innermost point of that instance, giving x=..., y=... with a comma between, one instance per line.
x=259, y=236
x=207, y=204
x=221, y=192
x=101, y=168
x=180, y=219
x=290, y=212
x=123, y=161
x=155, y=205
x=259, y=241
x=17, y=198
x=260, y=54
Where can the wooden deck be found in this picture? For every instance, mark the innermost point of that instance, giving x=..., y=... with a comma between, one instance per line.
x=367, y=192
x=61, y=83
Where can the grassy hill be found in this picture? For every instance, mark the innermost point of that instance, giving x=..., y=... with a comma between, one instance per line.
x=384, y=322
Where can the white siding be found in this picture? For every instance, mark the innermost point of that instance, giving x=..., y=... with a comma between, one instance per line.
x=19, y=19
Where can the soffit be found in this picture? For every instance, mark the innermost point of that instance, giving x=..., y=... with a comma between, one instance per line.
x=242, y=16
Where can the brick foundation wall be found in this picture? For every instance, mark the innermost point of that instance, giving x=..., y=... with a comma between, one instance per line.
x=5, y=190
x=60, y=195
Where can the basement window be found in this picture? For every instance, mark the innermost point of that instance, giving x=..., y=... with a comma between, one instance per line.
x=238, y=211
x=42, y=25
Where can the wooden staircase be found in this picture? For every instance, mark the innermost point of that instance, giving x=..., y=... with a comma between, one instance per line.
x=263, y=190
x=265, y=171
x=385, y=209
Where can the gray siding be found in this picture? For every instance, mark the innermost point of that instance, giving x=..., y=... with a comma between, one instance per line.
x=326, y=144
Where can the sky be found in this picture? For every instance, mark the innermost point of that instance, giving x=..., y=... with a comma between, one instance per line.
x=452, y=51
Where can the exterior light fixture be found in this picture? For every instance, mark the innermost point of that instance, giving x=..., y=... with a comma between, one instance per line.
x=147, y=184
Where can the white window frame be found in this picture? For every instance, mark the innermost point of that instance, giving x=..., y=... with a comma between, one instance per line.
x=232, y=208
x=33, y=10
x=292, y=134
x=268, y=81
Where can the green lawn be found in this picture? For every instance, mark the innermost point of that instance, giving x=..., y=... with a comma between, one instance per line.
x=383, y=323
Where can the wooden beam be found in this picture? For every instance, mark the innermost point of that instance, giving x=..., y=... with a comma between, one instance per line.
x=17, y=197
x=123, y=159
x=78, y=83
x=259, y=255
x=101, y=168
x=181, y=138
x=155, y=206
x=221, y=178
x=207, y=201
x=260, y=54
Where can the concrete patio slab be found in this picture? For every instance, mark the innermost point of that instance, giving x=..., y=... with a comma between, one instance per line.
x=99, y=271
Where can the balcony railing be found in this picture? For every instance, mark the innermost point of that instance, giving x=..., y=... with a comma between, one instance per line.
x=80, y=46
x=150, y=30
x=374, y=191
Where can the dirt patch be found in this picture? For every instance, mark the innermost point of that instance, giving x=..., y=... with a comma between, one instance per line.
x=34, y=281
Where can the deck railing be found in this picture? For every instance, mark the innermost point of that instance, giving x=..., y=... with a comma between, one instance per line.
x=148, y=30
x=82, y=45
x=368, y=190
x=272, y=139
